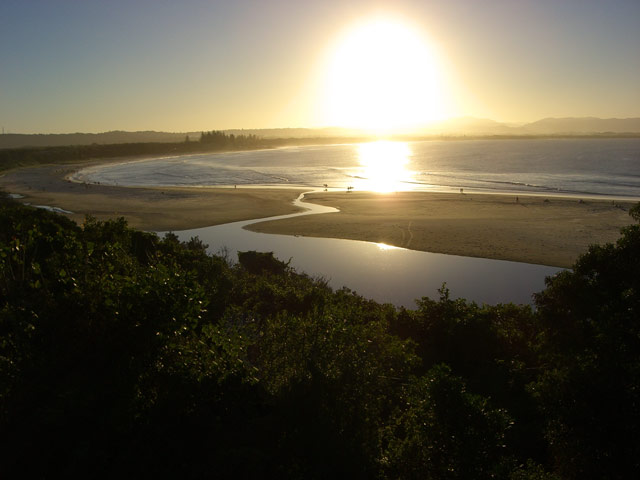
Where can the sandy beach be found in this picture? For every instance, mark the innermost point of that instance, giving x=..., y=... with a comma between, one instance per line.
x=152, y=209
x=548, y=231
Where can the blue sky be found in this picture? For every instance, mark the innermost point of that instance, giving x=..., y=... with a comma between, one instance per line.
x=93, y=66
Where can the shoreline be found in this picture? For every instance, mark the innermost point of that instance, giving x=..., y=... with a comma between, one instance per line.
x=424, y=188
x=541, y=229
x=151, y=209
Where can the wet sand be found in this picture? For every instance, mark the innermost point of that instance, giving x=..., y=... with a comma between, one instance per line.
x=548, y=231
x=153, y=209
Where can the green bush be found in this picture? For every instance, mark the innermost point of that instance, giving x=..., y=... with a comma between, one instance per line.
x=124, y=354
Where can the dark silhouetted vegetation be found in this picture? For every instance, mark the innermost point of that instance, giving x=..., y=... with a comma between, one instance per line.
x=214, y=141
x=223, y=139
x=21, y=157
x=126, y=355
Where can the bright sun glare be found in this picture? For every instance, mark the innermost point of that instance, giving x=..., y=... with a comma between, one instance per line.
x=384, y=77
x=383, y=166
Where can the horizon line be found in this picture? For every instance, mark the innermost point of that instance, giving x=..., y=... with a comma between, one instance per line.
x=360, y=130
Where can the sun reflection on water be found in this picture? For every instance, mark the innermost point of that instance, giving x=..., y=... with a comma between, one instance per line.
x=384, y=246
x=383, y=166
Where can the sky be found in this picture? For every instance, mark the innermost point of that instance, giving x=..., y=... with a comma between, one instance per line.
x=93, y=66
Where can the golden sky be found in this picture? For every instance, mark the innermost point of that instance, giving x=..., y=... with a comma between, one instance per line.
x=197, y=65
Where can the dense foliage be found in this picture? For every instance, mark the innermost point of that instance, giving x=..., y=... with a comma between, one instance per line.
x=26, y=156
x=123, y=354
x=214, y=141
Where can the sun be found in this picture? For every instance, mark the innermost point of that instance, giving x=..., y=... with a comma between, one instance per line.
x=384, y=76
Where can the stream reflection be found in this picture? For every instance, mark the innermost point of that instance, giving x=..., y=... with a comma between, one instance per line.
x=382, y=272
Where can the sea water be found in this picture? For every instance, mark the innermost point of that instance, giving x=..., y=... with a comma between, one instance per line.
x=607, y=167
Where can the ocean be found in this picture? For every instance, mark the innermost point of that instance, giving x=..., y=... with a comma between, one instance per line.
x=590, y=167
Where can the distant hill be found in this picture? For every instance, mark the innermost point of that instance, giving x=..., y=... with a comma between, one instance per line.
x=471, y=126
x=298, y=132
x=584, y=125
x=17, y=140
x=547, y=126
x=455, y=127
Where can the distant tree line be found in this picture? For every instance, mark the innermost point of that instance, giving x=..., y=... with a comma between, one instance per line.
x=209, y=142
x=20, y=157
x=123, y=354
x=28, y=156
x=221, y=139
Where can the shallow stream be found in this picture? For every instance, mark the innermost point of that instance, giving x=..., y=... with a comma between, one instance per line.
x=381, y=272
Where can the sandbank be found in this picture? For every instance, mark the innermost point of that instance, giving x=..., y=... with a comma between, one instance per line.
x=152, y=209
x=547, y=231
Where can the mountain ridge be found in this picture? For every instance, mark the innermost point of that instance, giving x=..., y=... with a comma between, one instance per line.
x=461, y=126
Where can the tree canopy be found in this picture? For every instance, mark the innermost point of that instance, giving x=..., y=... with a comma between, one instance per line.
x=126, y=354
